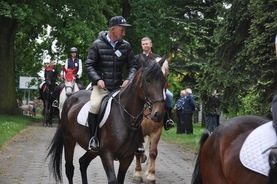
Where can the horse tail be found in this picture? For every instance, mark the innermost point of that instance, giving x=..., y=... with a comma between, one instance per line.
x=197, y=176
x=55, y=153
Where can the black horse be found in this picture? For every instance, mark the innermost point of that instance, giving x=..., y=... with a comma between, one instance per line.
x=50, y=93
x=120, y=136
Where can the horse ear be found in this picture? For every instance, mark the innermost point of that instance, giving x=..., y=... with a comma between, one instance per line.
x=161, y=61
x=169, y=59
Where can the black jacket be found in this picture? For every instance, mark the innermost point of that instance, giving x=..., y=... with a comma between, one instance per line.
x=103, y=63
x=142, y=58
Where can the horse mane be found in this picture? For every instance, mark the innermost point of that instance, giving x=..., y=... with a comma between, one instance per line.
x=151, y=69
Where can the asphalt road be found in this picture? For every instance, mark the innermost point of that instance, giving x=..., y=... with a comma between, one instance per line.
x=22, y=161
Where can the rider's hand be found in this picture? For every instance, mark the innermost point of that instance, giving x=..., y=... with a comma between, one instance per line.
x=101, y=84
x=124, y=83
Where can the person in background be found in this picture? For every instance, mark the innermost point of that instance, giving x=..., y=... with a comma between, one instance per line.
x=71, y=63
x=196, y=112
x=210, y=110
x=189, y=108
x=178, y=107
x=104, y=65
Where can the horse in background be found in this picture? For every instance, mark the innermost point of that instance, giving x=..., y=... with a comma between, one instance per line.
x=218, y=160
x=152, y=132
x=120, y=135
x=50, y=93
x=69, y=87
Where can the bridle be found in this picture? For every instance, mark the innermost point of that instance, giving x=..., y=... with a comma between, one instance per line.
x=137, y=120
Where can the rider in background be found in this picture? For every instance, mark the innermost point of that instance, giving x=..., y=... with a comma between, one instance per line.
x=146, y=44
x=51, y=65
x=71, y=63
x=104, y=65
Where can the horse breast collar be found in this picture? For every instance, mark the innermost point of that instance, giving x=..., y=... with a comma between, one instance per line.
x=252, y=154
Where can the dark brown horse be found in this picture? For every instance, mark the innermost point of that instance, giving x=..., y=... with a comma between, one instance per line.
x=120, y=136
x=152, y=132
x=218, y=161
x=50, y=92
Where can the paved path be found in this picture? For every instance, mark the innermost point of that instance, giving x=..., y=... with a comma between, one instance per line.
x=22, y=161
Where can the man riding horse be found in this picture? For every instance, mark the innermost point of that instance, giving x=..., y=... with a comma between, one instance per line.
x=105, y=61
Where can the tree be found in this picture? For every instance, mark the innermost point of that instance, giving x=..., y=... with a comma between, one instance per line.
x=72, y=23
x=242, y=65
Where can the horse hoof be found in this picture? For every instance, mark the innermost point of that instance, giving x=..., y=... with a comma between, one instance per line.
x=143, y=158
x=137, y=179
x=150, y=181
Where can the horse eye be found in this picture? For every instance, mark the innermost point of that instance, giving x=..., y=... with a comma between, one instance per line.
x=148, y=80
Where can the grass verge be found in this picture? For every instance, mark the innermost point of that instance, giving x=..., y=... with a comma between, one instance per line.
x=188, y=142
x=11, y=125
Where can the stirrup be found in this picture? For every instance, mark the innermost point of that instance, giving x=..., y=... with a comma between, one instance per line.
x=93, y=141
x=140, y=150
x=55, y=103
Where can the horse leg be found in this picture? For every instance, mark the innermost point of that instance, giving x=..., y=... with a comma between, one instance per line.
x=84, y=162
x=108, y=164
x=153, y=152
x=45, y=113
x=123, y=167
x=68, y=155
x=137, y=175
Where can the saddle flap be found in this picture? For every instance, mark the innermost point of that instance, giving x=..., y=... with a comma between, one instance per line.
x=104, y=112
x=252, y=154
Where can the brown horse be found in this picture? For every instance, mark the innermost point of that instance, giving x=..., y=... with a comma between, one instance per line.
x=120, y=136
x=152, y=132
x=218, y=161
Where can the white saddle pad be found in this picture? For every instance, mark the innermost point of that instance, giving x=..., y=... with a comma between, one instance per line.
x=83, y=114
x=258, y=141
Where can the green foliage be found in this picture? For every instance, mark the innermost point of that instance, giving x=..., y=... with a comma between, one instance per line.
x=223, y=45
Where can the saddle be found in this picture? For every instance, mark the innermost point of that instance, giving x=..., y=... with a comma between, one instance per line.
x=104, y=111
x=104, y=104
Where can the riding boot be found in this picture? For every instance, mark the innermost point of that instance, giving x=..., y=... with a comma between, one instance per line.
x=40, y=94
x=93, y=126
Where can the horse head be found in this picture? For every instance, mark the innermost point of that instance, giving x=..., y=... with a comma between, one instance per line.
x=70, y=77
x=153, y=80
x=50, y=77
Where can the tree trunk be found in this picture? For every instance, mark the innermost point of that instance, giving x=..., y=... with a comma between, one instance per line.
x=7, y=74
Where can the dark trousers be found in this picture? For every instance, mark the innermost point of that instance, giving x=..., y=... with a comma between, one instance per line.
x=188, y=122
x=179, y=116
x=211, y=122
